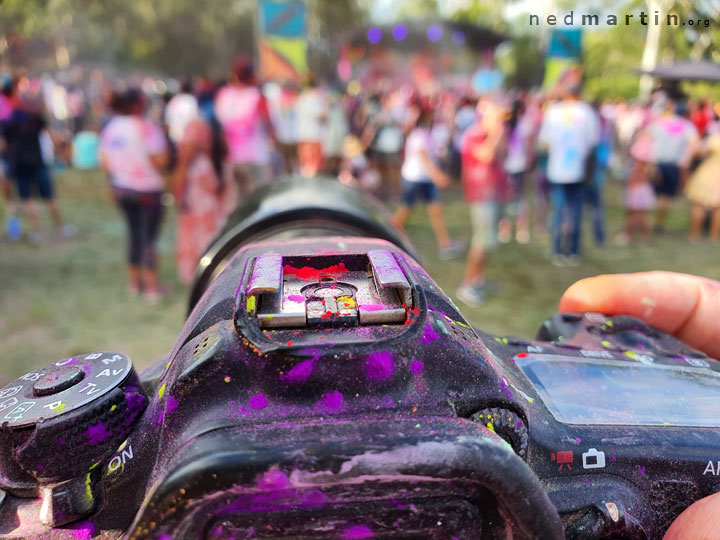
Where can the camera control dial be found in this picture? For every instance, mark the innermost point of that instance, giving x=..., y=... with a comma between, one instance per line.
x=59, y=421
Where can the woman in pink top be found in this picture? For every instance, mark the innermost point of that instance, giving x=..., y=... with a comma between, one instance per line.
x=133, y=151
x=243, y=112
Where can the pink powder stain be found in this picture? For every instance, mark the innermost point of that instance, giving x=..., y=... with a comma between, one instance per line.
x=314, y=499
x=171, y=404
x=307, y=273
x=357, y=532
x=300, y=372
x=258, y=401
x=333, y=400
x=81, y=531
x=674, y=127
x=296, y=298
x=97, y=433
x=371, y=307
x=379, y=366
x=274, y=480
x=429, y=335
x=416, y=367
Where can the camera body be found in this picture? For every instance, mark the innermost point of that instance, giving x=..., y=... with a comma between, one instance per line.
x=324, y=386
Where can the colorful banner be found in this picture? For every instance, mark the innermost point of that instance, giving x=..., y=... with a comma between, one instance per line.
x=282, y=43
x=563, y=60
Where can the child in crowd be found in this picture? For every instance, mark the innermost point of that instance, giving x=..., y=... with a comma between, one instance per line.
x=640, y=195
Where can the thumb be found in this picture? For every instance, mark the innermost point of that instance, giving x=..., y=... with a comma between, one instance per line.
x=686, y=306
x=700, y=521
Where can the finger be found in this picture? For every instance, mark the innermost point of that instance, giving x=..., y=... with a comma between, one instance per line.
x=700, y=521
x=683, y=305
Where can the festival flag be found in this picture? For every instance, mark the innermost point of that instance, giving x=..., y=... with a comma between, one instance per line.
x=282, y=45
x=563, y=59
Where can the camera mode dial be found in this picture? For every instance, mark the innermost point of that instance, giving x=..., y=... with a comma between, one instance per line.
x=59, y=421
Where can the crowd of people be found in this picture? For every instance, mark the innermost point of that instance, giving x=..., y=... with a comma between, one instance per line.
x=529, y=162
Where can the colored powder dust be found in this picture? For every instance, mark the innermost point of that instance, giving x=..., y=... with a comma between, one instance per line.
x=314, y=499
x=97, y=433
x=227, y=378
x=258, y=401
x=416, y=368
x=333, y=400
x=171, y=405
x=296, y=298
x=379, y=366
x=372, y=307
x=357, y=532
x=81, y=531
x=429, y=335
x=300, y=372
x=274, y=480
x=313, y=274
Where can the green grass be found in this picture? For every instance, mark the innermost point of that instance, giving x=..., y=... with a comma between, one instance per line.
x=67, y=297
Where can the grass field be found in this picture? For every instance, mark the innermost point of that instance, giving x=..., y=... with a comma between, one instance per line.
x=68, y=296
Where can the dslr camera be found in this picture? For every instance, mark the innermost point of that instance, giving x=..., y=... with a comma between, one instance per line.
x=324, y=387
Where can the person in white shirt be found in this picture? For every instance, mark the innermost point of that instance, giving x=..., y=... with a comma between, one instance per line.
x=570, y=131
x=673, y=141
x=180, y=111
x=310, y=123
x=421, y=180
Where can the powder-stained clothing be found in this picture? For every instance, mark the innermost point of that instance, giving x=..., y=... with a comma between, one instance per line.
x=242, y=112
x=128, y=142
x=201, y=213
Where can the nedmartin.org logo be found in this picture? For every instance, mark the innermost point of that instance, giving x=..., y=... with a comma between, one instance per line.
x=586, y=19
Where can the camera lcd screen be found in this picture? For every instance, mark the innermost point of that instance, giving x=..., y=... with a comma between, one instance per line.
x=602, y=392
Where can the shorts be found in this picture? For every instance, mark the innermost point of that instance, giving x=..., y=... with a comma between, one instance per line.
x=484, y=220
x=669, y=180
x=386, y=158
x=31, y=181
x=424, y=189
x=517, y=184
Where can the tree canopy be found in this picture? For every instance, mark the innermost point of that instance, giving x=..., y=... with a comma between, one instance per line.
x=182, y=37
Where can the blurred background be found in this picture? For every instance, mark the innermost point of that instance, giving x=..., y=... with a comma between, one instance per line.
x=519, y=155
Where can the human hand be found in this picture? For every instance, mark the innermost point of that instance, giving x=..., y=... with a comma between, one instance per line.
x=683, y=305
x=686, y=306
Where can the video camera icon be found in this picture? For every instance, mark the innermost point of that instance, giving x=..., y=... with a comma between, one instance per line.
x=593, y=459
